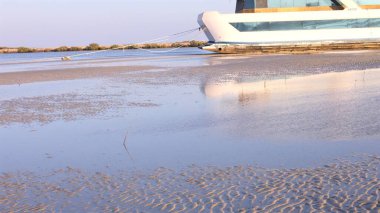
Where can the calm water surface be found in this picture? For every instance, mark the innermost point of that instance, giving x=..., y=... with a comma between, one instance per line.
x=51, y=60
x=298, y=121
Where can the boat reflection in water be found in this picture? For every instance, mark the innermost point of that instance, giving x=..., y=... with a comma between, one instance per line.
x=333, y=106
x=261, y=91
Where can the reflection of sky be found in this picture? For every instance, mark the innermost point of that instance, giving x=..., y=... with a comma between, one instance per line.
x=46, y=23
x=333, y=105
x=300, y=122
x=51, y=60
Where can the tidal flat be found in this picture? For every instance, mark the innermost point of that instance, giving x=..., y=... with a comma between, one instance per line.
x=190, y=132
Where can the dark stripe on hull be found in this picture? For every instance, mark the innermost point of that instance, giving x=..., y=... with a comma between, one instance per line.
x=292, y=48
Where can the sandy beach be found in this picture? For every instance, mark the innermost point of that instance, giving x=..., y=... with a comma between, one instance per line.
x=192, y=133
x=341, y=186
x=34, y=76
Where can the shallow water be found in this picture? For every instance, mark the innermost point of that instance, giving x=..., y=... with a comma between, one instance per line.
x=293, y=122
x=51, y=60
x=173, y=126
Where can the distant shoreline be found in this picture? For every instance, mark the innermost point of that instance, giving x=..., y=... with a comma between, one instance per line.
x=95, y=47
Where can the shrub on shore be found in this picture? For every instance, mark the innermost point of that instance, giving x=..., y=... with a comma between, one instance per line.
x=115, y=46
x=25, y=50
x=152, y=46
x=194, y=43
x=76, y=48
x=132, y=47
x=177, y=44
x=93, y=47
x=61, y=49
x=65, y=49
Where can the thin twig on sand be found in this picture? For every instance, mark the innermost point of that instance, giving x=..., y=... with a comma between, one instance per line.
x=126, y=148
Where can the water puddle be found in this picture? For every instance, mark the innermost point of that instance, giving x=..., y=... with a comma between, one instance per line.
x=220, y=137
x=299, y=121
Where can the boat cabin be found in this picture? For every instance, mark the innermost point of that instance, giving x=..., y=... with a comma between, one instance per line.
x=260, y=6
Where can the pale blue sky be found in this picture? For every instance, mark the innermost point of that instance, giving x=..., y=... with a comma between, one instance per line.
x=50, y=23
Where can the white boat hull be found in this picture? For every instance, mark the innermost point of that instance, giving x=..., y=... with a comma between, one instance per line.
x=220, y=31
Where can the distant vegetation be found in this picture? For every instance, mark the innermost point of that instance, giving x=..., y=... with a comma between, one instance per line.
x=95, y=47
x=25, y=50
x=61, y=49
x=153, y=46
x=115, y=46
x=65, y=49
x=76, y=49
x=194, y=43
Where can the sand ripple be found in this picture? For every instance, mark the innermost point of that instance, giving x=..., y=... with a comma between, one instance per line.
x=347, y=185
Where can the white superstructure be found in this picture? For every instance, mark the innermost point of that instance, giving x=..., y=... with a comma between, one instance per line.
x=344, y=21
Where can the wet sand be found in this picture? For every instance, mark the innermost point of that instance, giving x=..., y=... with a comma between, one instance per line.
x=65, y=74
x=272, y=133
x=343, y=186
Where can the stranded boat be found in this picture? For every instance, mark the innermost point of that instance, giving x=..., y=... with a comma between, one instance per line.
x=287, y=26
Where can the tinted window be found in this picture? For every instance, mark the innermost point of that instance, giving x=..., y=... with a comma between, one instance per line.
x=306, y=25
x=249, y=4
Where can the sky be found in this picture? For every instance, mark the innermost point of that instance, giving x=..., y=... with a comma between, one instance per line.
x=53, y=23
